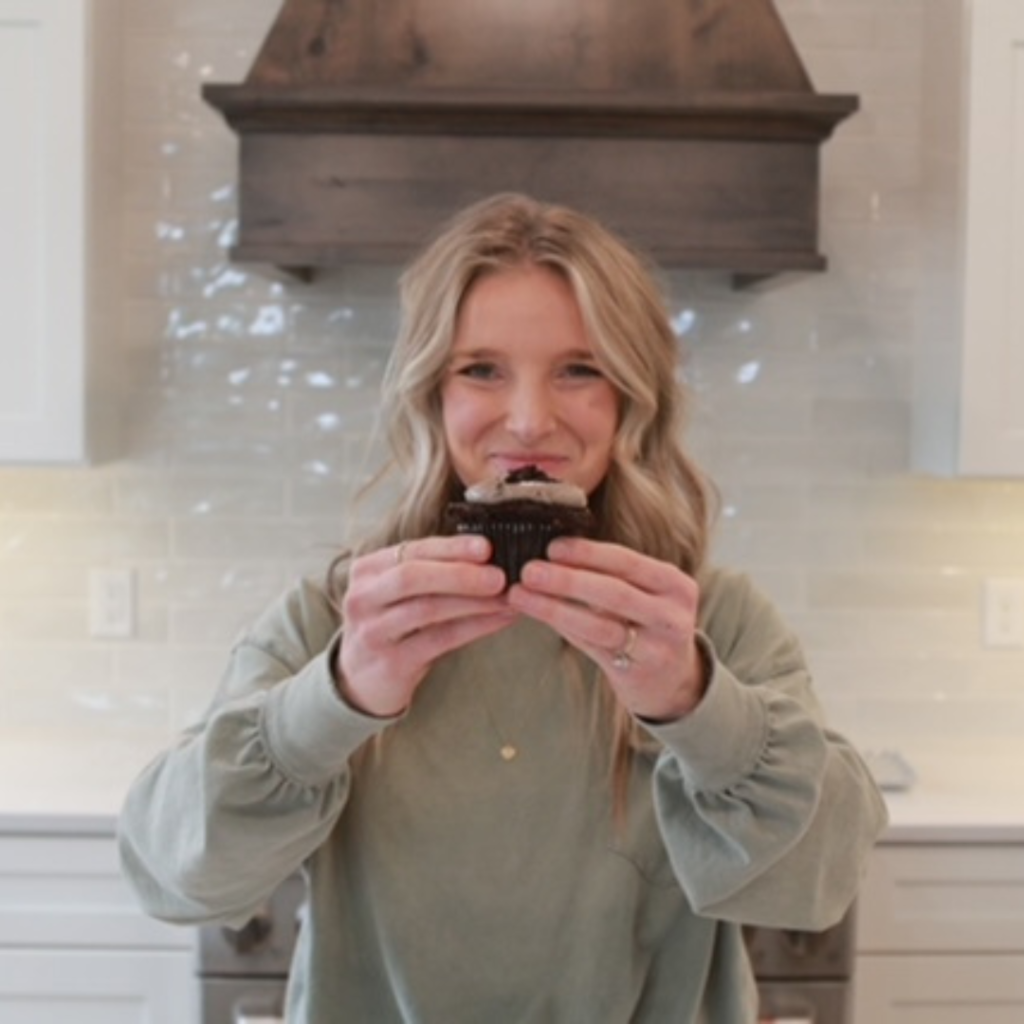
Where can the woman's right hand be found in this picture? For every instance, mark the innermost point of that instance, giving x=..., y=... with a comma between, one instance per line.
x=407, y=605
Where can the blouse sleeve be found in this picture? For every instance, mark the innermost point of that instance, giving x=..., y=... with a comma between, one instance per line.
x=767, y=814
x=216, y=822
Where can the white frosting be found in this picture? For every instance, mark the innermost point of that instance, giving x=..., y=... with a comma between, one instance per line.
x=547, y=492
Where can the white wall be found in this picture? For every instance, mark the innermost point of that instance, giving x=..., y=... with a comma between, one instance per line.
x=248, y=402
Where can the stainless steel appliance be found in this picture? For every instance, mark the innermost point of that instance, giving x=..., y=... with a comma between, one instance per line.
x=803, y=977
x=243, y=971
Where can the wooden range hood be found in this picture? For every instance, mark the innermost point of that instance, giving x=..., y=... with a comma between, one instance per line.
x=691, y=126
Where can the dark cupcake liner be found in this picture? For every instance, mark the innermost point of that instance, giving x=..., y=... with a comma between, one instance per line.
x=514, y=543
x=520, y=530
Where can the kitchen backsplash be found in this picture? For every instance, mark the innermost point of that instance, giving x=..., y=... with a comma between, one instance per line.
x=249, y=404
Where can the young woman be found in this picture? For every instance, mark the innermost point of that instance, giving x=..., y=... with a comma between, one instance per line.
x=558, y=801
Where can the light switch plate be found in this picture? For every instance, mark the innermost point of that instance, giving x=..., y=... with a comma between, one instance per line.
x=1003, y=613
x=112, y=604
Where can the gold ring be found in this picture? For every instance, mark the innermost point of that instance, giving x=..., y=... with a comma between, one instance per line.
x=622, y=658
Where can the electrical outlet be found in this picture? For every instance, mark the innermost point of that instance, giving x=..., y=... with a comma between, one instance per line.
x=1003, y=624
x=112, y=604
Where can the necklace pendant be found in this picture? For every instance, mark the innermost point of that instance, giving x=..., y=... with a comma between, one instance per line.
x=508, y=752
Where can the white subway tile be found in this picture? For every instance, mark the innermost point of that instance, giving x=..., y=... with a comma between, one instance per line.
x=79, y=492
x=881, y=591
x=249, y=407
x=86, y=540
x=211, y=625
x=200, y=494
x=226, y=538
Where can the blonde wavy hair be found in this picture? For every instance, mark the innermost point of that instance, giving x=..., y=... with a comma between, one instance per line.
x=654, y=499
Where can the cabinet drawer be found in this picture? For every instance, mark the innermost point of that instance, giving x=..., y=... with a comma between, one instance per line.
x=97, y=987
x=949, y=989
x=943, y=899
x=68, y=892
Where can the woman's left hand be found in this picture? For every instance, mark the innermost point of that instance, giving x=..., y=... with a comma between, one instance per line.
x=634, y=615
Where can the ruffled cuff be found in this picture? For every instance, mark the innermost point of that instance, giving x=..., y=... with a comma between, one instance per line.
x=723, y=738
x=310, y=731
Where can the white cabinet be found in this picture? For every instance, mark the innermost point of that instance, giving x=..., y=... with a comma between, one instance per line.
x=940, y=936
x=968, y=411
x=73, y=945
x=43, y=987
x=59, y=247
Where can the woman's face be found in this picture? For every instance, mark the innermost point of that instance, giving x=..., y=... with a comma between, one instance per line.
x=522, y=384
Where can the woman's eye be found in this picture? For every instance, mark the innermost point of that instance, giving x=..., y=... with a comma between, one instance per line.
x=582, y=370
x=478, y=371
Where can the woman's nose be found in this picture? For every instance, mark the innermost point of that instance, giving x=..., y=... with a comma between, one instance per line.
x=530, y=412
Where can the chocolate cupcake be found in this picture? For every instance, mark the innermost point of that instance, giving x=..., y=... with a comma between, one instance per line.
x=521, y=514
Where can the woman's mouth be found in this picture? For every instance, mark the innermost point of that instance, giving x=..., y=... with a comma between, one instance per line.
x=553, y=465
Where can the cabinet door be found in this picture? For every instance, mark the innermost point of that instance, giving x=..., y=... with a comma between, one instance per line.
x=57, y=241
x=42, y=178
x=955, y=898
x=939, y=990
x=968, y=413
x=993, y=411
x=67, y=892
x=97, y=987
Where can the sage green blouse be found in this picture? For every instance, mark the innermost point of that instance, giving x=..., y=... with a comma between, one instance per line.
x=450, y=885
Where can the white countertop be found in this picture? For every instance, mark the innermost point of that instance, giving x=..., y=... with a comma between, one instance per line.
x=967, y=791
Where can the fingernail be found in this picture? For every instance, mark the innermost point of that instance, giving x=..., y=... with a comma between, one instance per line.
x=556, y=548
x=533, y=572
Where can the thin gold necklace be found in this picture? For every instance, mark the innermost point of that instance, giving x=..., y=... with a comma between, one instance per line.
x=507, y=748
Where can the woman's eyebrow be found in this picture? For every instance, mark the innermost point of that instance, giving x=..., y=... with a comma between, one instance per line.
x=480, y=352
